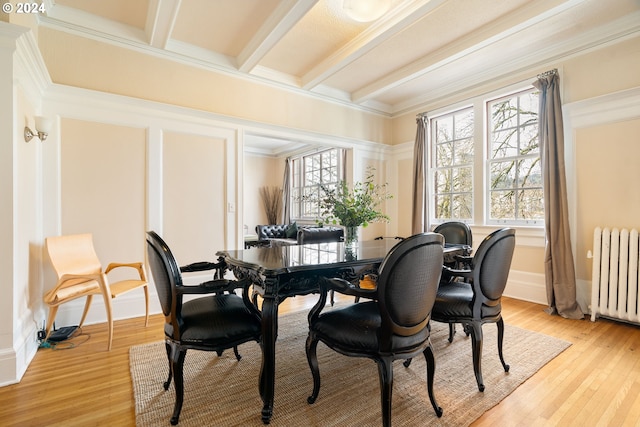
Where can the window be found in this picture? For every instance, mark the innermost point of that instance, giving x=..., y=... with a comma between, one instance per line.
x=309, y=174
x=452, y=137
x=515, y=172
x=487, y=156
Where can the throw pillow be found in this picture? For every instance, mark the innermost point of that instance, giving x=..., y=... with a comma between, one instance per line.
x=292, y=231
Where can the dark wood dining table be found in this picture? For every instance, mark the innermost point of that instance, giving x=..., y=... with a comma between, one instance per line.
x=279, y=271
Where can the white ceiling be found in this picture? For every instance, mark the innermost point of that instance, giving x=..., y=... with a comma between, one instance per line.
x=420, y=50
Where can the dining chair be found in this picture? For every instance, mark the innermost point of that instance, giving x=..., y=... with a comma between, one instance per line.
x=394, y=321
x=215, y=321
x=457, y=233
x=80, y=274
x=477, y=299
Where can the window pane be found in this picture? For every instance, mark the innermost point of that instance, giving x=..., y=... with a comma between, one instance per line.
x=503, y=175
x=464, y=124
x=464, y=152
x=311, y=173
x=514, y=137
x=529, y=140
x=504, y=144
x=444, y=129
x=442, y=182
x=452, y=168
x=444, y=154
x=503, y=205
x=531, y=204
x=530, y=173
x=462, y=179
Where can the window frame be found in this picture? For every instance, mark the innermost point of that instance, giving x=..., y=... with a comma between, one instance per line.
x=298, y=182
x=481, y=172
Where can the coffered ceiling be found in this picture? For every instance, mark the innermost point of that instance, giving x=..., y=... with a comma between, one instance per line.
x=418, y=50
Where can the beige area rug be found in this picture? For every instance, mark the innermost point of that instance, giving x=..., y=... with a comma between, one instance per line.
x=219, y=391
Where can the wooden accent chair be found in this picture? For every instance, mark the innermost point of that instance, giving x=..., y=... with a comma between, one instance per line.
x=393, y=324
x=80, y=275
x=476, y=300
x=216, y=321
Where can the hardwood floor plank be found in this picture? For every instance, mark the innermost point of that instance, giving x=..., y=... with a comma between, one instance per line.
x=596, y=381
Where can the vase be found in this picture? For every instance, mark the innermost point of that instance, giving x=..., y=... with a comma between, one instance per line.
x=351, y=237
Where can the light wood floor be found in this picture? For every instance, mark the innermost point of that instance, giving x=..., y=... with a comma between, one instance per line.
x=595, y=382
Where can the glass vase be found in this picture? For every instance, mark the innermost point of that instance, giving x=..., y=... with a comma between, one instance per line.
x=351, y=237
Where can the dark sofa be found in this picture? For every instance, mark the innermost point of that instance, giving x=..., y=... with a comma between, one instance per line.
x=291, y=234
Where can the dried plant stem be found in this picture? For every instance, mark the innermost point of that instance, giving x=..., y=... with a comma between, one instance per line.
x=272, y=201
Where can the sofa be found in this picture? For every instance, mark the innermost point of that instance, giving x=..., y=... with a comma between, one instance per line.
x=291, y=234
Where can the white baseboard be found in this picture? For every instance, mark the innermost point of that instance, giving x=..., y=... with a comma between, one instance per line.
x=125, y=306
x=526, y=286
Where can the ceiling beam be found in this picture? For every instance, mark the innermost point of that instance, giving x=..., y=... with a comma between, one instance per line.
x=500, y=29
x=283, y=18
x=161, y=17
x=384, y=29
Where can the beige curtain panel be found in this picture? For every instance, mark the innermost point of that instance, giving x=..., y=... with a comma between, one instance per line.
x=559, y=269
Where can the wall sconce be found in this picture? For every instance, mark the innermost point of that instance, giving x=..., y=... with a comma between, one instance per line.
x=43, y=127
x=365, y=10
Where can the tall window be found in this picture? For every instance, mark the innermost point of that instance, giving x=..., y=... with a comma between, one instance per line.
x=515, y=173
x=309, y=174
x=453, y=148
x=487, y=156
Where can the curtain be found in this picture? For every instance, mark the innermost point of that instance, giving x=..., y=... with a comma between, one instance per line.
x=420, y=208
x=286, y=193
x=558, y=260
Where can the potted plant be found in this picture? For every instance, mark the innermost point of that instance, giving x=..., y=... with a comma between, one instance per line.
x=353, y=207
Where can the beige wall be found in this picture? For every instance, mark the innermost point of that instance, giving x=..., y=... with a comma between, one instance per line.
x=103, y=187
x=608, y=174
x=89, y=64
x=259, y=171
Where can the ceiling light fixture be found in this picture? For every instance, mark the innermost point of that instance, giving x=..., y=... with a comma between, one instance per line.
x=365, y=10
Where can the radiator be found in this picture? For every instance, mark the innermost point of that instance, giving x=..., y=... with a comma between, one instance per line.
x=614, y=287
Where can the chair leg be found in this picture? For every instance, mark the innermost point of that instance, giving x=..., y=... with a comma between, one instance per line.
x=87, y=304
x=452, y=331
x=500, y=340
x=177, y=366
x=237, y=353
x=146, y=305
x=168, y=382
x=431, y=369
x=475, y=329
x=53, y=310
x=312, y=358
x=385, y=372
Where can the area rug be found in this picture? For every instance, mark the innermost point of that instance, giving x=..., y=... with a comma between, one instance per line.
x=220, y=391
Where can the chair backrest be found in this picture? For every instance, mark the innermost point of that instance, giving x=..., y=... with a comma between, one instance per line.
x=73, y=254
x=492, y=262
x=455, y=232
x=165, y=271
x=408, y=283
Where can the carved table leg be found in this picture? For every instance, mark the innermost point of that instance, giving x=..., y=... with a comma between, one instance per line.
x=269, y=336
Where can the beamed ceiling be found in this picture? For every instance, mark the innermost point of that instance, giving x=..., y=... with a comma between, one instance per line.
x=419, y=50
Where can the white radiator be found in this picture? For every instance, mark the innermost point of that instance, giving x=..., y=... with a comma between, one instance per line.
x=614, y=287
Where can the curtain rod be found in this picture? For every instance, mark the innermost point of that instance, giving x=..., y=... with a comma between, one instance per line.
x=544, y=74
x=548, y=73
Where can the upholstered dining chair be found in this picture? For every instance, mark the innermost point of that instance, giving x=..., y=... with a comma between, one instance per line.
x=217, y=320
x=457, y=233
x=392, y=324
x=477, y=300
x=80, y=274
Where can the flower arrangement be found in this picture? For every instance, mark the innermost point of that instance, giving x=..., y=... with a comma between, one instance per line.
x=356, y=207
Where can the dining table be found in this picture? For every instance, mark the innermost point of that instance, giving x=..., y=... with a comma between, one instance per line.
x=278, y=272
